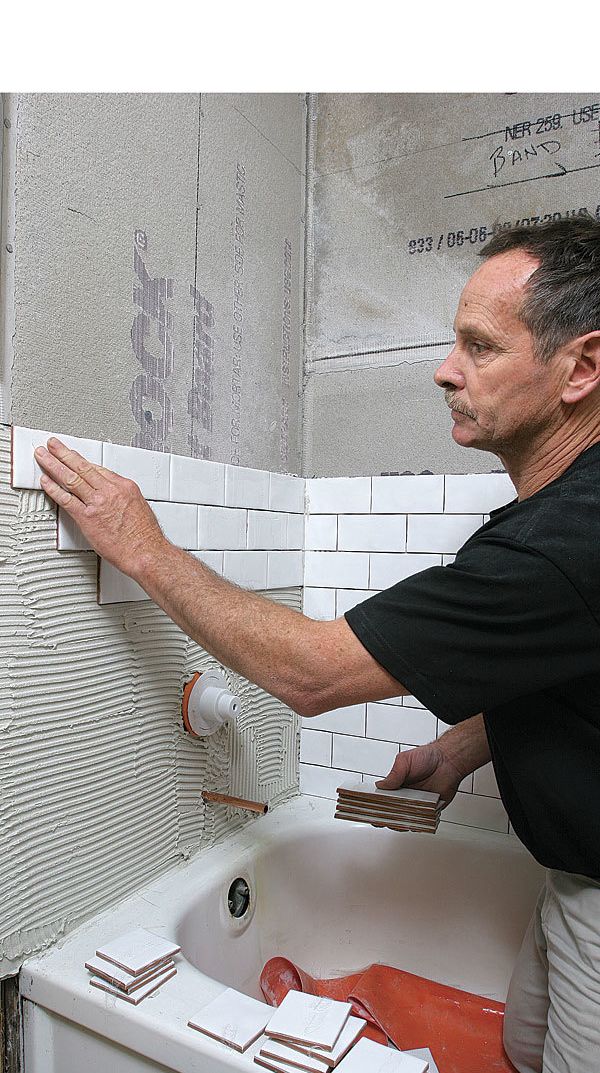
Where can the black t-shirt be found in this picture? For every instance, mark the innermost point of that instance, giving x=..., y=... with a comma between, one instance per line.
x=512, y=629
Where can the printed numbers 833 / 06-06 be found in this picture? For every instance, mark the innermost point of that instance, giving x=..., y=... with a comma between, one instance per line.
x=451, y=239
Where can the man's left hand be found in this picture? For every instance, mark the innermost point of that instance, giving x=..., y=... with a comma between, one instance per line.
x=110, y=510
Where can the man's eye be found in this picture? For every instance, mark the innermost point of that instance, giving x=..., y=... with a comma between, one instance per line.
x=478, y=348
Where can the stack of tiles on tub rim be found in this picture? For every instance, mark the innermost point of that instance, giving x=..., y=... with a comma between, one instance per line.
x=306, y=1032
x=319, y=1034
x=133, y=965
x=400, y=810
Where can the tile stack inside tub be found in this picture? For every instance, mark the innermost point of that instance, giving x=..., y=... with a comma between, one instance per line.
x=400, y=810
x=305, y=1032
x=133, y=965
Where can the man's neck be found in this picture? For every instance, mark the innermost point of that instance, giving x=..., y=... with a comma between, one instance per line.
x=547, y=460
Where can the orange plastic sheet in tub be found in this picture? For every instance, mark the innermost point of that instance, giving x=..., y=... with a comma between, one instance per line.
x=463, y=1031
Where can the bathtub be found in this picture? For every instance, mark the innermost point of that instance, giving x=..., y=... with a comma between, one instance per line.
x=332, y=896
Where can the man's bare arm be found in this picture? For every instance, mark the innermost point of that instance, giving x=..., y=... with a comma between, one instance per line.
x=312, y=666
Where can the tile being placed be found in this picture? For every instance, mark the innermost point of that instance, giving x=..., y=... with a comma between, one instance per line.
x=284, y=569
x=151, y=470
x=388, y=570
x=197, y=480
x=339, y=495
x=372, y=532
x=407, y=494
x=115, y=587
x=318, y=603
x=266, y=530
x=477, y=493
x=336, y=569
x=221, y=529
x=246, y=568
x=179, y=523
x=321, y=532
x=245, y=487
x=233, y=1018
x=69, y=535
x=25, y=471
x=440, y=532
x=286, y=493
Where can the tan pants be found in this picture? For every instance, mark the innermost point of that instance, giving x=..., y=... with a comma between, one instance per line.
x=552, y=1020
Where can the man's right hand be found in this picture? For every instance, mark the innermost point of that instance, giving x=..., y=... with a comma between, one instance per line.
x=425, y=767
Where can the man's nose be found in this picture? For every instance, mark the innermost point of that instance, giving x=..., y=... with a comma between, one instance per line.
x=448, y=374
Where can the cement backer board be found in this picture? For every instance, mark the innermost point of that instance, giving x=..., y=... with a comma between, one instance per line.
x=394, y=420
x=108, y=237
x=100, y=784
x=395, y=168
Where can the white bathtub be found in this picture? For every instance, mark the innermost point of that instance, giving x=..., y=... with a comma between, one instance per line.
x=330, y=895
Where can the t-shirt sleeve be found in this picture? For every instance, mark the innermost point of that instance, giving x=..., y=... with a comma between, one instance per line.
x=500, y=622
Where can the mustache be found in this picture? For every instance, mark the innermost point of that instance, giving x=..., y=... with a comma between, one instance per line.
x=452, y=401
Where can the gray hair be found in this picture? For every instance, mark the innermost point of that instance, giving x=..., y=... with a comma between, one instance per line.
x=562, y=295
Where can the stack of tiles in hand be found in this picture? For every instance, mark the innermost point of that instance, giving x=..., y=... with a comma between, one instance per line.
x=134, y=965
x=400, y=810
x=316, y=1035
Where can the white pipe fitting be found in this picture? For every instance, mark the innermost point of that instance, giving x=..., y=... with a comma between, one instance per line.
x=208, y=703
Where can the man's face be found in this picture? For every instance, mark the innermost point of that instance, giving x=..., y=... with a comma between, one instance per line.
x=501, y=396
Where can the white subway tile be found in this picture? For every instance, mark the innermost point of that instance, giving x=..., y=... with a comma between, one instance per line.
x=266, y=530
x=197, y=480
x=474, y=811
x=320, y=781
x=363, y=754
x=284, y=569
x=347, y=720
x=245, y=487
x=321, y=532
x=442, y=727
x=484, y=781
x=179, y=523
x=414, y=726
x=213, y=559
x=339, y=495
x=115, y=587
x=318, y=603
x=246, y=568
x=286, y=493
x=347, y=598
x=466, y=786
x=447, y=559
x=440, y=532
x=412, y=702
x=25, y=471
x=392, y=700
x=69, y=535
x=374, y=532
x=315, y=747
x=221, y=528
x=294, y=532
x=421, y=494
x=388, y=570
x=477, y=493
x=336, y=569
x=151, y=470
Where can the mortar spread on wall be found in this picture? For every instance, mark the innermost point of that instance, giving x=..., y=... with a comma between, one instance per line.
x=99, y=783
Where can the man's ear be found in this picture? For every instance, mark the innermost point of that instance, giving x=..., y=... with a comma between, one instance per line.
x=584, y=377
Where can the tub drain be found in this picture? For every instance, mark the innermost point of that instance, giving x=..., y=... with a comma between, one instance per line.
x=238, y=898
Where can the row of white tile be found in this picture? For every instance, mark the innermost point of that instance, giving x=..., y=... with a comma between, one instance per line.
x=468, y=809
x=362, y=571
x=203, y=528
x=251, y=569
x=473, y=493
x=324, y=603
x=167, y=477
x=416, y=533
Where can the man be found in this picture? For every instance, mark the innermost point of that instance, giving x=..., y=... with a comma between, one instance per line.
x=505, y=642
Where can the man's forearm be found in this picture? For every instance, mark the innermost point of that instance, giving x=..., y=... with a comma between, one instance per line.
x=466, y=745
